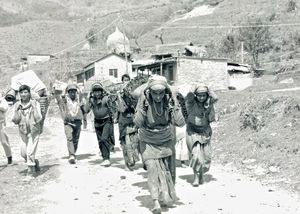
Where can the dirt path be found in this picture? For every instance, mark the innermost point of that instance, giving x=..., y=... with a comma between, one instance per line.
x=283, y=89
x=89, y=188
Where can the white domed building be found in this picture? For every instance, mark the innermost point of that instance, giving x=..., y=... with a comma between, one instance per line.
x=111, y=66
x=118, y=43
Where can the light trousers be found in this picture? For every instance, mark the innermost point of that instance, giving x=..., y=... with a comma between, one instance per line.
x=4, y=141
x=72, y=133
x=29, y=145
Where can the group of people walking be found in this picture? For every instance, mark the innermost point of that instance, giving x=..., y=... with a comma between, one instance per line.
x=147, y=118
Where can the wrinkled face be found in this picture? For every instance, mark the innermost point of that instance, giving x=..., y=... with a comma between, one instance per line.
x=98, y=94
x=72, y=93
x=157, y=95
x=201, y=97
x=25, y=95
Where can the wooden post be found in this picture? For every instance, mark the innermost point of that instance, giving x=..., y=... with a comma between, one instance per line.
x=124, y=46
x=160, y=69
x=242, y=52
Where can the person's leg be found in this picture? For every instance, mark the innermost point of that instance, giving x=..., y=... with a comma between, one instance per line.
x=124, y=151
x=25, y=139
x=196, y=178
x=84, y=120
x=76, y=135
x=196, y=163
x=135, y=139
x=44, y=104
x=70, y=145
x=23, y=147
x=5, y=143
x=152, y=179
x=92, y=120
x=32, y=148
x=99, y=130
x=202, y=153
x=172, y=164
x=104, y=140
x=42, y=123
x=207, y=157
x=153, y=183
x=132, y=148
x=112, y=135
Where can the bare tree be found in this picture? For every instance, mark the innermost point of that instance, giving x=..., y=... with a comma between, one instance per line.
x=160, y=36
x=91, y=38
x=291, y=6
x=137, y=30
x=256, y=38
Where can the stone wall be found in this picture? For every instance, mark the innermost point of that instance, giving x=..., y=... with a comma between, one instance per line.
x=210, y=71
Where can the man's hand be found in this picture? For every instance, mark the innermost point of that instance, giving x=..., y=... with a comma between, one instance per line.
x=90, y=97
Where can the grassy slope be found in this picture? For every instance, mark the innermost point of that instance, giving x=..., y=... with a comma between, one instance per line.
x=276, y=144
x=235, y=12
x=60, y=24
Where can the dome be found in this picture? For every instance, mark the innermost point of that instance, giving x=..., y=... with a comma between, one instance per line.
x=115, y=42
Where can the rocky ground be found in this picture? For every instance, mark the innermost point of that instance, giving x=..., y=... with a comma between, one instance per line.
x=89, y=188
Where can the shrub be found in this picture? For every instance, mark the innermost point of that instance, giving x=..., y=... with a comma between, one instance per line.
x=258, y=113
x=257, y=39
x=291, y=6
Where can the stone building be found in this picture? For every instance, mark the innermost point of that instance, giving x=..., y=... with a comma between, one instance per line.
x=208, y=70
x=185, y=70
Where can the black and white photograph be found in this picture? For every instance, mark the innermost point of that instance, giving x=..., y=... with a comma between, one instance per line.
x=150, y=106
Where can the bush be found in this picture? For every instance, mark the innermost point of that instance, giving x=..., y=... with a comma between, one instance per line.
x=256, y=38
x=272, y=17
x=260, y=112
x=258, y=72
x=291, y=6
x=296, y=38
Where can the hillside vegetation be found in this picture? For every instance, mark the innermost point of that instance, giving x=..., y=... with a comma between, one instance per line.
x=60, y=27
x=259, y=133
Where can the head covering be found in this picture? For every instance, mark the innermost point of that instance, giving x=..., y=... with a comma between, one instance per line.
x=71, y=86
x=97, y=86
x=157, y=82
x=24, y=87
x=201, y=88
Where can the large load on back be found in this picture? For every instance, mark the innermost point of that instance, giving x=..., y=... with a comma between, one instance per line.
x=26, y=78
x=38, y=90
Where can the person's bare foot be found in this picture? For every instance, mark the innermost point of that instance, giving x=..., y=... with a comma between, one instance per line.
x=156, y=209
x=72, y=159
x=196, y=180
